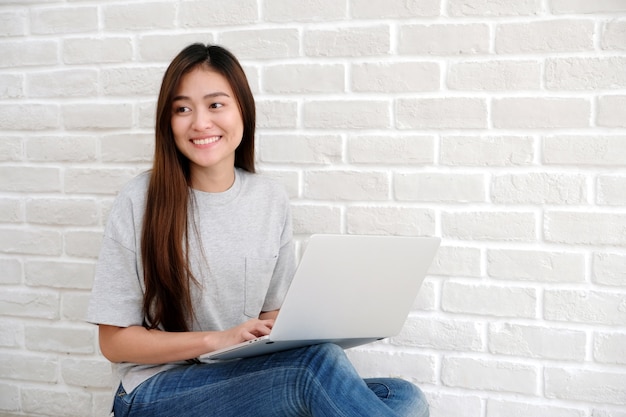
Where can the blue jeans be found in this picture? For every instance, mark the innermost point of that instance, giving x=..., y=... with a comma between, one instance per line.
x=316, y=381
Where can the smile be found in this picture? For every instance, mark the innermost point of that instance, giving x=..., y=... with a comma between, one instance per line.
x=206, y=141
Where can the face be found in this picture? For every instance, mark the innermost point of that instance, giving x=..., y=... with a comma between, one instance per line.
x=207, y=124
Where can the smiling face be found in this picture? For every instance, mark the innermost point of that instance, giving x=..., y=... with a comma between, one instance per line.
x=207, y=127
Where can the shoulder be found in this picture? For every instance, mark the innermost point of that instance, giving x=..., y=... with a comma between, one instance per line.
x=261, y=184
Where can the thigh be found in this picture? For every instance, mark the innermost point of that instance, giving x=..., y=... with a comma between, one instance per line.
x=399, y=395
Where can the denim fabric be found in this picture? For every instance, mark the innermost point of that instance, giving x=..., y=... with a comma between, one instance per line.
x=315, y=381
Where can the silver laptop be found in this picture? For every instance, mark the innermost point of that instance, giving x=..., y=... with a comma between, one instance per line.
x=349, y=290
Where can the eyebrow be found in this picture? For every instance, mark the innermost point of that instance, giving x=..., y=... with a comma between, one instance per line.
x=210, y=95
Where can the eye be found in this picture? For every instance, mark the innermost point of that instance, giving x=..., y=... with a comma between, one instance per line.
x=215, y=105
x=181, y=109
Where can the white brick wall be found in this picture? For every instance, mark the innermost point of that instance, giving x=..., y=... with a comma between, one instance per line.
x=498, y=125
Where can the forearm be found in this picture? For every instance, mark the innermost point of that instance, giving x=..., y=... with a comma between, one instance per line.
x=139, y=345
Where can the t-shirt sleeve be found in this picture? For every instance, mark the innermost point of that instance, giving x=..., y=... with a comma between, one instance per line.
x=117, y=292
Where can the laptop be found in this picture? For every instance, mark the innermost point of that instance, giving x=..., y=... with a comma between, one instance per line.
x=349, y=290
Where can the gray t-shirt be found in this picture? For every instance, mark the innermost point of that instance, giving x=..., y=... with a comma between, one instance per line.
x=241, y=252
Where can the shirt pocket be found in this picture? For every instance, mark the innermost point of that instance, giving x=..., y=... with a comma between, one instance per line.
x=259, y=273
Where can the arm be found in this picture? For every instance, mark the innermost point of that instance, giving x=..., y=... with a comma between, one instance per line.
x=265, y=315
x=139, y=345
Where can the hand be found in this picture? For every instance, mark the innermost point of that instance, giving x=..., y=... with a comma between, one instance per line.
x=248, y=330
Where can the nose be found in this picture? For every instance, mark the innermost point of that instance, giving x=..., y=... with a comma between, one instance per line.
x=203, y=119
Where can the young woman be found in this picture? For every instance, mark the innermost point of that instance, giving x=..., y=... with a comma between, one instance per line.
x=198, y=255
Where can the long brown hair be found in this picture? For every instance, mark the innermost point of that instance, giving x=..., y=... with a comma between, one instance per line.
x=165, y=241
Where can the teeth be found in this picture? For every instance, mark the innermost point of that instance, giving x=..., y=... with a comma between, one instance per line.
x=206, y=141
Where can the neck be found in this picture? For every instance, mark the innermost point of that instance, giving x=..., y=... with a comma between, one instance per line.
x=213, y=182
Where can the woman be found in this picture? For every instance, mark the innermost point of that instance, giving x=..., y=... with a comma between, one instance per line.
x=198, y=255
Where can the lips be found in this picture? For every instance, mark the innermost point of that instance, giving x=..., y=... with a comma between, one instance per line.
x=205, y=140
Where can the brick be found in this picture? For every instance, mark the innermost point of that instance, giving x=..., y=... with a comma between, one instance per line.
x=613, y=37
x=96, y=181
x=163, y=48
x=11, y=334
x=456, y=261
x=586, y=385
x=147, y=111
x=71, y=275
x=585, y=73
x=308, y=219
x=303, y=10
x=443, y=39
x=497, y=376
x=55, y=20
x=21, y=116
x=61, y=148
x=537, y=342
x=9, y=397
x=309, y=149
x=136, y=16
x=346, y=185
x=11, y=210
x=539, y=188
x=59, y=339
x=426, y=297
x=29, y=303
x=56, y=401
x=62, y=211
x=83, y=244
x=611, y=190
x=11, y=271
x=584, y=228
x=204, y=14
x=74, y=305
x=578, y=306
x=31, y=242
x=131, y=81
x=487, y=151
x=545, y=36
x=403, y=221
x=489, y=300
x=603, y=412
x=608, y=268
x=348, y=42
x=89, y=116
x=97, y=50
x=11, y=86
x=541, y=113
x=438, y=334
x=441, y=113
x=611, y=111
x=29, y=53
x=274, y=114
x=488, y=8
x=384, y=149
x=28, y=367
x=508, y=408
x=536, y=266
x=453, y=404
x=10, y=149
x=610, y=348
x=394, y=9
x=409, y=366
x=583, y=6
x=86, y=372
x=13, y=23
x=395, y=77
x=346, y=114
x=434, y=187
x=584, y=150
x=304, y=78
x=509, y=225
x=127, y=147
x=496, y=75
x=261, y=44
